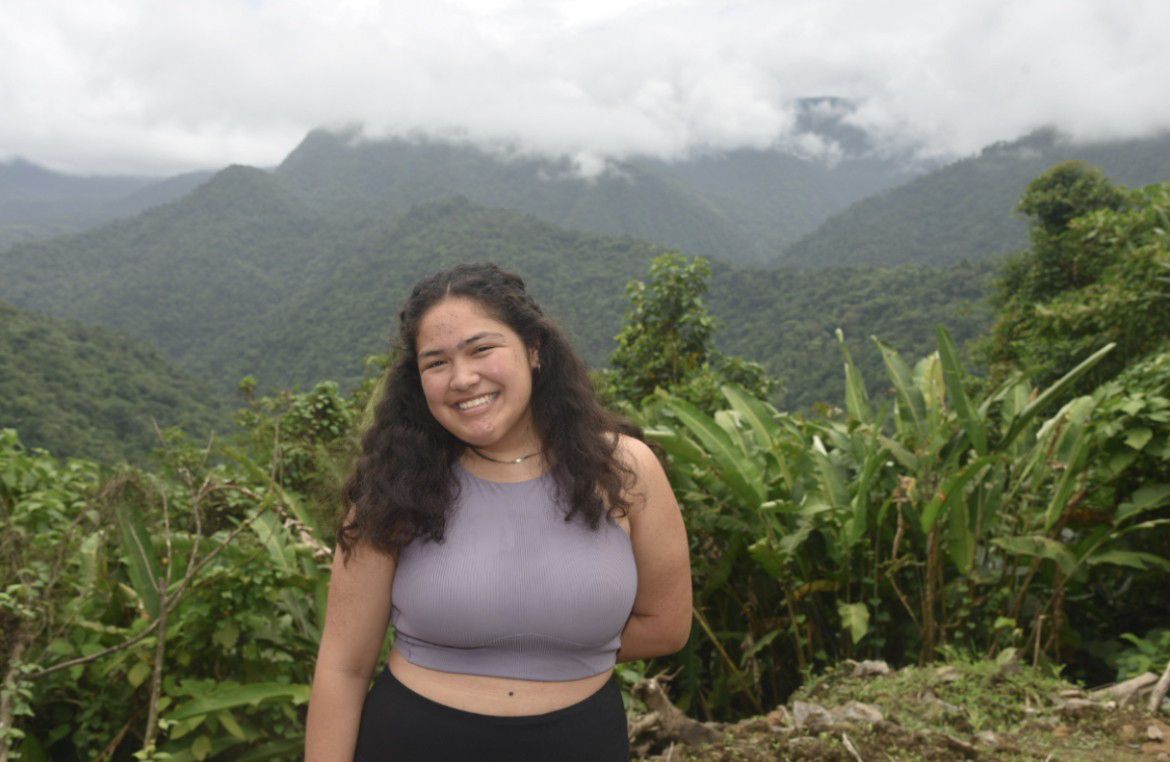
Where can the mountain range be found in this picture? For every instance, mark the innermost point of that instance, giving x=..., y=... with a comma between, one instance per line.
x=966, y=210
x=293, y=274
x=38, y=203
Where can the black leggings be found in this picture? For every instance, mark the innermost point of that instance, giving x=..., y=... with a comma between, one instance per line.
x=401, y=725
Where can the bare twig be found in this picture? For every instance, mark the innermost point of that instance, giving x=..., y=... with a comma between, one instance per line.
x=1124, y=691
x=116, y=741
x=1036, y=641
x=1160, y=691
x=849, y=747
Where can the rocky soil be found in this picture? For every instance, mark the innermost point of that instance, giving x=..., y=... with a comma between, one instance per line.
x=865, y=711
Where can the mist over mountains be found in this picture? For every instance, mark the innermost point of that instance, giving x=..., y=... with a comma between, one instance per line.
x=38, y=203
x=965, y=210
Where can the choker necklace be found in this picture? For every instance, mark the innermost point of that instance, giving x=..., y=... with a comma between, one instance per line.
x=521, y=459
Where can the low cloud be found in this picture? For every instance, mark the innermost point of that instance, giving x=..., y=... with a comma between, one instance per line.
x=162, y=85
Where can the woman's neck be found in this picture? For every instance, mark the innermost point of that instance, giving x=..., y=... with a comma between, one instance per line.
x=496, y=465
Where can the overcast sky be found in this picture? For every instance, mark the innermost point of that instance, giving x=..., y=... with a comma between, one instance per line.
x=160, y=86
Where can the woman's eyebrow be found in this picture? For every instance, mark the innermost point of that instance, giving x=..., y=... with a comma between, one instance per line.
x=462, y=344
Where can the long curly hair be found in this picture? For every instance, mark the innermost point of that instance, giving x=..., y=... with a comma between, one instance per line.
x=402, y=487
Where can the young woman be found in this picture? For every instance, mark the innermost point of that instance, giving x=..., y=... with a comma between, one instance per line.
x=520, y=537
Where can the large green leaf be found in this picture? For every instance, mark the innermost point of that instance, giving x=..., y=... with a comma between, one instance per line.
x=677, y=446
x=829, y=476
x=911, y=407
x=770, y=558
x=235, y=696
x=759, y=415
x=857, y=525
x=854, y=618
x=1038, y=546
x=1128, y=558
x=952, y=489
x=1068, y=481
x=856, y=396
x=969, y=416
x=726, y=459
x=961, y=538
x=271, y=533
x=1146, y=498
x=905, y=458
x=1042, y=400
x=143, y=565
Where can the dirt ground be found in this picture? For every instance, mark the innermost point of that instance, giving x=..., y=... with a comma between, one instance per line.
x=863, y=712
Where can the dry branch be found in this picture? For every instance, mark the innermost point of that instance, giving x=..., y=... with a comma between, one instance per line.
x=1160, y=690
x=1124, y=691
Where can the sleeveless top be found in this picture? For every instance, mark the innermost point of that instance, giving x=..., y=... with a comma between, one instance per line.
x=514, y=590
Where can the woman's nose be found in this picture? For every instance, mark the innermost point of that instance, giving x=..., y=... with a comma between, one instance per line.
x=463, y=376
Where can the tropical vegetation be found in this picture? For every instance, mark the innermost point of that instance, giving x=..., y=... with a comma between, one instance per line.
x=1023, y=512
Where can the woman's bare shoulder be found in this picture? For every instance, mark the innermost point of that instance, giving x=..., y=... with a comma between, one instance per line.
x=635, y=454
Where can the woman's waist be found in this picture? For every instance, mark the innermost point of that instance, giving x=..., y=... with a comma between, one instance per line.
x=491, y=695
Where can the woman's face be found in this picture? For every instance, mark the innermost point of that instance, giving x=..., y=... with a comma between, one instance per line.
x=477, y=377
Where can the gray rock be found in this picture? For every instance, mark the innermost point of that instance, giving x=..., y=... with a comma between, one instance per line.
x=811, y=716
x=987, y=738
x=857, y=712
x=870, y=668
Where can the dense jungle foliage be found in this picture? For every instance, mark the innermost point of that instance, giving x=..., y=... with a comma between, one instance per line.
x=79, y=390
x=176, y=611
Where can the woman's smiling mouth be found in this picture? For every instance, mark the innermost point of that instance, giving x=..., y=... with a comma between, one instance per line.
x=476, y=402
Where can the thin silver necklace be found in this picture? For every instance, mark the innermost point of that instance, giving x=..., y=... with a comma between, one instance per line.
x=521, y=459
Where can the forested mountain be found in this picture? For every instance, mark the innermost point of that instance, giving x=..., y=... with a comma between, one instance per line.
x=786, y=318
x=182, y=274
x=358, y=181
x=37, y=203
x=739, y=206
x=242, y=278
x=327, y=328
x=78, y=390
x=965, y=210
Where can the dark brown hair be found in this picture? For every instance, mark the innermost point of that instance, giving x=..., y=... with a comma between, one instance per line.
x=402, y=487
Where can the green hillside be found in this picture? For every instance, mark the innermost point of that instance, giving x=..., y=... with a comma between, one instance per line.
x=326, y=328
x=359, y=181
x=38, y=203
x=240, y=278
x=740, y=206
x=82, y=391
x=183, y=274
x=786, y=319
x=964, y=211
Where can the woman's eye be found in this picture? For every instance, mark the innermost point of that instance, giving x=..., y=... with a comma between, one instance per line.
x=482, y=349
x=432, y=364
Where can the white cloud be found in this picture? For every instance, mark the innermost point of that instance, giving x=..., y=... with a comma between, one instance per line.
x=164, y=85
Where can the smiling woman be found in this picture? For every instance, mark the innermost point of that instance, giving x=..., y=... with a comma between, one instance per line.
x=520, y=537
x=478, y=387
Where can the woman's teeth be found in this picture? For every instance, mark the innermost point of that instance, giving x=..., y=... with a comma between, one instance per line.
x=477, y=402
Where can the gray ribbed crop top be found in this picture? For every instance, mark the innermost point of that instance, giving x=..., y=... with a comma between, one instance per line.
x=514, y=590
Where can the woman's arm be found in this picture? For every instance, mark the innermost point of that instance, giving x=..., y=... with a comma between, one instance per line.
x=661, y=620
x=356, y=618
